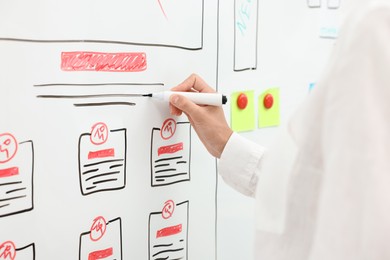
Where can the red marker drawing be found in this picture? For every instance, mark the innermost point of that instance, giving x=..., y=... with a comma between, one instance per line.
x=168, y=209
x=169, y=231
x=100, y=254
x=162, y=9
x=7, y=250
x=98, y=228
x=8, y=147
x=99, y=133
x=168, y=128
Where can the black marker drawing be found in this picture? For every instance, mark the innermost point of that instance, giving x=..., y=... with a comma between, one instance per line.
x=8, y=251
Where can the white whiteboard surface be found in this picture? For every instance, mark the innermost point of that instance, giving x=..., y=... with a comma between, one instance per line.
x=87, y=169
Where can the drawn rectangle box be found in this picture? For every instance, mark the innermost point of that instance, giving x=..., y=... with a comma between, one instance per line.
x=17, y=181
x=108, y=247
x=9, y=251
x=170, y=159
x=103, y=168
x=168, y=236
x=245, y=35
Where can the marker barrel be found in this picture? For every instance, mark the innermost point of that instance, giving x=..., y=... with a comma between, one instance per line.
x=211, y=99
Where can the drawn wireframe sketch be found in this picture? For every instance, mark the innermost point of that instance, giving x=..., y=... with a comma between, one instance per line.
x=245, y=35
x=102, y=241
x=170, y=153
x=102, y=159
x=331, y=4
x=16, y=175
x=168, y=231
x=9, y=251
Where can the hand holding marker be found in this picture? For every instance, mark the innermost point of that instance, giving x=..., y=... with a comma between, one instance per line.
x=211, y=99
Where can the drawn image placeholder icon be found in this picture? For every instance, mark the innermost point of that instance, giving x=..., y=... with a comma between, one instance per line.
x=16, y=175
x=102, y=241
x=168, y=232
x=8, y=251
x=102, y=159
x=170, y=153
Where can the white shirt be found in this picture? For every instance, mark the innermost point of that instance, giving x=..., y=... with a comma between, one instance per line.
x=323, y=191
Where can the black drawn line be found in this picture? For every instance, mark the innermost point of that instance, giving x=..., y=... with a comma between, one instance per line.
x=162, y=165
x=10, y=183
x=102, y=181
x=162, y=245
x=101, y=162
x=171, y=175
x=179, y=162
x=89, y=96
x=96, y=84
x=102, y=174
x=5, y=205
x=116, y=166
x=168, y=159
x=165, y=170
x=104, y=104
x=15, y=190
x=167, y=251
x=162, y=258
x=13, y=198
x=105, y=42
x=93, y=170
x=90, y=188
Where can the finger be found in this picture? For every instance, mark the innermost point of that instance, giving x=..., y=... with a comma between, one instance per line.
x=184, y=104
x=174, y=110
x=194, y=82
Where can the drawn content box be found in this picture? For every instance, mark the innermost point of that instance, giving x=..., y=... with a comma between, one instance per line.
x=170, y=153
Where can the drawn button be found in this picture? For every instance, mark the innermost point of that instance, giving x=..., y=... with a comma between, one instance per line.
x=242, y=101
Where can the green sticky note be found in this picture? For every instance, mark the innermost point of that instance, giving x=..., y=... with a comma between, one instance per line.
x=243, y=115
x=269, y=113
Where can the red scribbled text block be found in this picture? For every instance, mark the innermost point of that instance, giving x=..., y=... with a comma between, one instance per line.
x=98, y=61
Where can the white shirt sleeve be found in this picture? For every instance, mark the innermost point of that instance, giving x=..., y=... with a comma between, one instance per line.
x=239, y=164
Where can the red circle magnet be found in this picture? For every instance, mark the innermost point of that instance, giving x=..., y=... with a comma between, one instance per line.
x=268, y=101
x=242, y=101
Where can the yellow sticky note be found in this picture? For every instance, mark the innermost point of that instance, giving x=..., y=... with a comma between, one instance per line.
x=269, y=113
x=243, y=111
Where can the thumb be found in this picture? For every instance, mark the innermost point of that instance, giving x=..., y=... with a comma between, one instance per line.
x=184, y=104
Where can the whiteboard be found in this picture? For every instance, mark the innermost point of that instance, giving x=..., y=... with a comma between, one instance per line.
x=88, y=168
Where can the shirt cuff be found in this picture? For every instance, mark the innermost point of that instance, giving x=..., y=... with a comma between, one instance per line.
x=239, y=164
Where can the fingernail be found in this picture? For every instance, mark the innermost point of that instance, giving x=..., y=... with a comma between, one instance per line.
x=175, y=99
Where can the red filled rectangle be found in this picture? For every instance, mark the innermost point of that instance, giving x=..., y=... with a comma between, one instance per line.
x=97, y=61
x=169, y=231
x=9, y=172
x=100, y=254
x=170, y=149
x=102, y=153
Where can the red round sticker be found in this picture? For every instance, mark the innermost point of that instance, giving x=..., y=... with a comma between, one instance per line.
x=8, y=250
x=8, y=147
x=99, y=133
x=98, y=228
x=168, y=209
x=168, y=128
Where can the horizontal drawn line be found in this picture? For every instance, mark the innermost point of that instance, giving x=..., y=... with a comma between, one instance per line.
x=10, y=183
x=160, y=180
x=15, y=190
x=102, y=181
x=102, y=174
x=162, y=165
x=5, y=205
x=110, y=152
x=166, y=170
x=13, y=198
x=93, y=170
x=171, y=175
x=163, y=245
x=167, y=251
x=102, y=41
x=90, y=188
x=116, y=166
x=96, y=84
x=106, y=161
x=181, y=162
x=169, y=231
x=166, y=258
x=89, y=96
x=104, y=104
x=168, y=159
